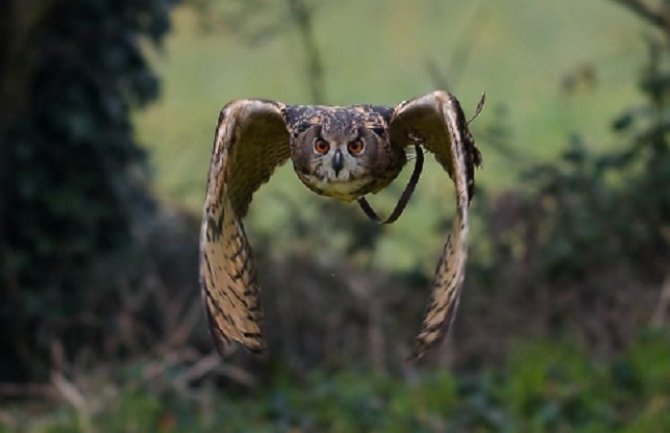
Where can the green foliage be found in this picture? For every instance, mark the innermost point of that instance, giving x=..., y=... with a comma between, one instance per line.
x=71, y=171
x=586, y=247
x=613, y=208
x=543, y=387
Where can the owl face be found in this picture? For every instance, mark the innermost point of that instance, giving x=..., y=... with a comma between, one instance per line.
x=344, y=161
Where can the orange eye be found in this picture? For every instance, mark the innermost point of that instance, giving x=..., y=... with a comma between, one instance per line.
x=321, y=146
x=356, y=147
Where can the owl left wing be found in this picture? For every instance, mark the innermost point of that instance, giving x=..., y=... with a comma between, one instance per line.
x=251, y=141
x=437, y=122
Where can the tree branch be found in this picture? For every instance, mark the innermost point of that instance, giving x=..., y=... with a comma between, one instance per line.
x=302, y=16
x=659, y=19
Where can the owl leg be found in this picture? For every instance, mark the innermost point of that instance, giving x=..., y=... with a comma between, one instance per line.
x=404, y=198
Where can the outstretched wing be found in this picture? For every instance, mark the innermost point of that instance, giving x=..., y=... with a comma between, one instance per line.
x=437, y=122
x=251, y=141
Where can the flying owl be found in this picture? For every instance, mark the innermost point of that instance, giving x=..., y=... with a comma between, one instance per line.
x=340, y=152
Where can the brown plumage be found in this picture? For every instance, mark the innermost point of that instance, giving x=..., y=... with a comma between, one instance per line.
x=341, y=152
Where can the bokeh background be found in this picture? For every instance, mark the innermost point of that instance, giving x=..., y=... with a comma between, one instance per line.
x=107, y=114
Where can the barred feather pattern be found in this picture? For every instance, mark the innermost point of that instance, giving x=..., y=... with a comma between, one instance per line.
x=449, y=276
x=251, y=141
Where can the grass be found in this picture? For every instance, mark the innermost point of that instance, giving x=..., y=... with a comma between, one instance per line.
x=542, y=387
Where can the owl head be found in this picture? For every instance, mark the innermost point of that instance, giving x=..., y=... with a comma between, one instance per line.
x=342, y=156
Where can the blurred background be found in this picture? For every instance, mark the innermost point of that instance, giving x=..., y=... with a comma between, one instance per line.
x=107, y=116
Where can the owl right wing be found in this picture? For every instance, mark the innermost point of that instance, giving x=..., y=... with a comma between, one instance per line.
x=251, y=141
x=437, y=122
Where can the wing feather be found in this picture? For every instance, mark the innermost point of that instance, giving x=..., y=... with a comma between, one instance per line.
x=437, y=121
x=251, y=141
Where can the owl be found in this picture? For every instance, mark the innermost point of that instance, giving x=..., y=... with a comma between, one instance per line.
x=345, y=153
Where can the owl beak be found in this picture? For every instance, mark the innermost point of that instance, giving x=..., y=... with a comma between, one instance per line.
x=338, y=162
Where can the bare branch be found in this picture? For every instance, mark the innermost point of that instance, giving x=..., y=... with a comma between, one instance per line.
x=662, y=306
x=659, y=18
x=43, y=390
x=70, y=393
x=211, y=364
x=302, y=16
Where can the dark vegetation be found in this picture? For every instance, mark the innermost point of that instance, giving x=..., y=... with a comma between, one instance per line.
x=73, y=181
x=100, y=315
x=542, y=388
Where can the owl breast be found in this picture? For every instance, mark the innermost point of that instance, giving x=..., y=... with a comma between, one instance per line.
x=347, y=191
x=351, y=188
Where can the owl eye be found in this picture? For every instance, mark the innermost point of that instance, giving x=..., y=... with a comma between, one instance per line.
x=356, y=147
x=321, y=146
